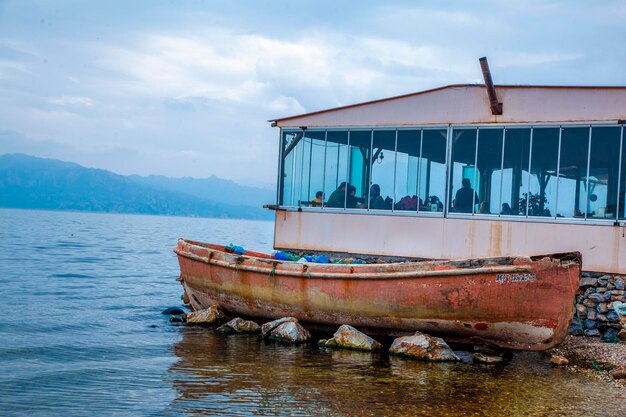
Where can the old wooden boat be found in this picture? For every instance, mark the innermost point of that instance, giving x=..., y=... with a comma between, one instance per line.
x=520, y=303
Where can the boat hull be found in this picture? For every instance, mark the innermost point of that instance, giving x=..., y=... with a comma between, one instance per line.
x=514, y=303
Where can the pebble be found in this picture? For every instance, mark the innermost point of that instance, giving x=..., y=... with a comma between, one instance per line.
x=592, y=332
x=618, y=373
x=557, y=360
x=487, y=359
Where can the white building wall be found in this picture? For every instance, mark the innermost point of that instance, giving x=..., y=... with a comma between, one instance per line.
x=603, y=246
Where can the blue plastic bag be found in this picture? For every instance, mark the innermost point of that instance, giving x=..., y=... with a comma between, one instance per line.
x=281, y=256
x=239, y=250
x=321, y=259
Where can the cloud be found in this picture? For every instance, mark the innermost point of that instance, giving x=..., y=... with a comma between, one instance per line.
x=72, y=101
x=187, y=89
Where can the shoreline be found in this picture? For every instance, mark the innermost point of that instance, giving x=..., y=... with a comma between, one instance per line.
x=594, y=357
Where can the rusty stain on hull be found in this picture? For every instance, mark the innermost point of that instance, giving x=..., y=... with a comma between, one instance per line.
x=520, y=303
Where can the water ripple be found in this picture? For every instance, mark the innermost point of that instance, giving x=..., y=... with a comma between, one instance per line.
x=82, y=334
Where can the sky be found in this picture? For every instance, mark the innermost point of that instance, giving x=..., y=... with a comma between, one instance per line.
x=186, y=88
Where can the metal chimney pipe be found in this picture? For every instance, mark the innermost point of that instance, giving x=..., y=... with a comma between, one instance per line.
x=496, y=106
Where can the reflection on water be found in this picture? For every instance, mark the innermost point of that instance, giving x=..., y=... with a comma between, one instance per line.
x=81, y=334
x=240, y=374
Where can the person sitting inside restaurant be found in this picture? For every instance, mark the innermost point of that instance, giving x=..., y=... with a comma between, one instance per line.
x=506, y=209
x=352, y=201
x=465, y=197
x=317, y=201
x=338, y=197
x=377, y=202
x=484, y=208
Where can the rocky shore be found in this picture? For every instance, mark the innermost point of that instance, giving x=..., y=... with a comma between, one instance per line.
x=597, y=358
x=600, y=353
x=596, y=299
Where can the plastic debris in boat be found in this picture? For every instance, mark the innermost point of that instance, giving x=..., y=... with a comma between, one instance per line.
x=284, y=256
x=321, y=259
x=239, y=250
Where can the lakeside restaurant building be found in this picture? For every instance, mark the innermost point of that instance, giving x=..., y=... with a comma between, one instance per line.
x=548, y=169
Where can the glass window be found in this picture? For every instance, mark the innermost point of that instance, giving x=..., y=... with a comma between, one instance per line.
x=515, y=176
x=359, y=168
x=407, y=163
x=313, y=179
x=432, y=175
x=622, y=180
x=291, y=149
x=489, y=163
x=336, y=168
x=601, y=193
x=571, y=190
x=383, y=170
x=464, y=175
x=543, y=163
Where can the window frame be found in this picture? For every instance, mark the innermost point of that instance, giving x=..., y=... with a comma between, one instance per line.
x=446, y=213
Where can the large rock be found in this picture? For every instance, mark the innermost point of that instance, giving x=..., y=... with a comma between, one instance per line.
x=587, y=282
x=576, y=328
x=588, y=303
x=602, y=308
x=610, y=336
x=590, y=324
x=267, y=328
x=210, y=316
x=424, y=347
x=612, y=317
x=592, y=314
x=239, y=325
x=600, y=297
x=290, y=332
x=347, y=337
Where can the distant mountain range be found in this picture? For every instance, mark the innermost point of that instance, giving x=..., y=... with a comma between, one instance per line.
x=38, y=183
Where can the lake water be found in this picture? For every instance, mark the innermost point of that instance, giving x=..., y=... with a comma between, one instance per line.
x=81, y=334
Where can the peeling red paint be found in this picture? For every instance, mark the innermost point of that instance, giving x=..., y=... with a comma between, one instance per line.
x=441, y=297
